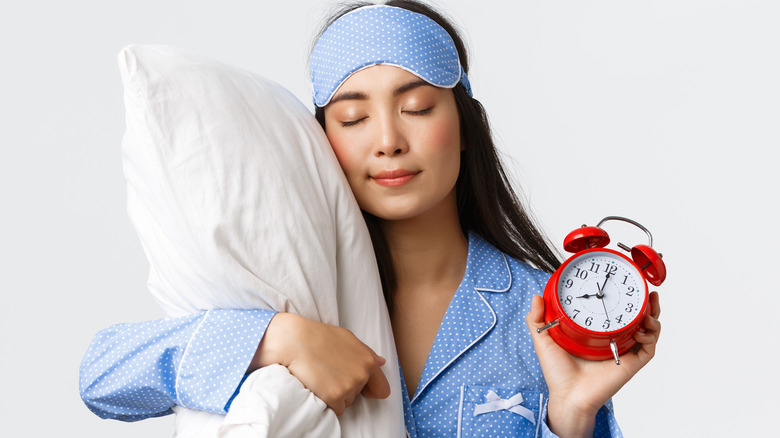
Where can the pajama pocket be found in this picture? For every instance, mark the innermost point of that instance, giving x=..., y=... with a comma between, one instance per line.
x=487, y=411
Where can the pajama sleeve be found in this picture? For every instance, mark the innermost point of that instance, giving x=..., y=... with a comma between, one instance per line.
x=141, y=370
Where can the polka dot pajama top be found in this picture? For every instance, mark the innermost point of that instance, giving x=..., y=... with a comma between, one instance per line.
x=481, y=378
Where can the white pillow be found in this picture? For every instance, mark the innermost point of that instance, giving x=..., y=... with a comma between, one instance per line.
x=240, y=203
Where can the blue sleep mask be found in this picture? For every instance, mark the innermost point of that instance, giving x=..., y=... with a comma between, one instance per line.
x=388, y=35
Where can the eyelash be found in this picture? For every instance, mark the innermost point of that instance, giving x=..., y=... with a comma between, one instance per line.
x=421, y=112
x=349, y=123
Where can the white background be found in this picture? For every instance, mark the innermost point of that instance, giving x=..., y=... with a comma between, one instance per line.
x=663, y=111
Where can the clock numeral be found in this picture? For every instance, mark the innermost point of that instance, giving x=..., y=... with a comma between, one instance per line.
x=630, y=307
x=611, y=269
x=594, y=267
x=630, y=292
x=569, y=283
x=619, y=319
x=589, y=321
x=581, y=274
x=605, y=325
x=625, y=279
x=567, y=300
x=576, y=312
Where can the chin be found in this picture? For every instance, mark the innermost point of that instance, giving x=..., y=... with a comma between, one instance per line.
x=393, y=212
x=394, y=215
x=410, y=207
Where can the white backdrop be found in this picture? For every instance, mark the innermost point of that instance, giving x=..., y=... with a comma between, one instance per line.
x=665, y=111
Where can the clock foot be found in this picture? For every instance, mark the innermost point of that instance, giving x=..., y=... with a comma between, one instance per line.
x=549, y=325
x=613, y=347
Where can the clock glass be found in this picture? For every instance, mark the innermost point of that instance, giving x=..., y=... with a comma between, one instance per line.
x=601, y=291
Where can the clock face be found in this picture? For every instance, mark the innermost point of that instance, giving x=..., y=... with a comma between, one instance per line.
x=601, y=291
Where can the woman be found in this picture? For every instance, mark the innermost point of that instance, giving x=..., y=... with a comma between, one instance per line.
x=461, y=263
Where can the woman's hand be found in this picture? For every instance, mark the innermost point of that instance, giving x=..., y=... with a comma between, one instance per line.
x=579, y=387
x=329, y=361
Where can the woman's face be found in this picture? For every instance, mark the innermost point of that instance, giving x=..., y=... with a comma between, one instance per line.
x=397, y=139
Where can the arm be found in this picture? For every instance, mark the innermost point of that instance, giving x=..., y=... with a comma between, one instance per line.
x=141, y=370
x=136, y=371
x=580, y=389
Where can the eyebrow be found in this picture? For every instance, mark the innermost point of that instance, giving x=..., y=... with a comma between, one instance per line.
x=357, y=95
x=410, y=86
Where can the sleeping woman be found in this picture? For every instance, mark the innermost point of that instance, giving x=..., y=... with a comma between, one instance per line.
x=462, y=265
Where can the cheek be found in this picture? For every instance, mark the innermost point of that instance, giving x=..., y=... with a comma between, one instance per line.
x=445, y=137
x=444, y=141
x=345, y=155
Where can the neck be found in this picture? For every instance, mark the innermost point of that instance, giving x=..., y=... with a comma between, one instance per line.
x=429, y=251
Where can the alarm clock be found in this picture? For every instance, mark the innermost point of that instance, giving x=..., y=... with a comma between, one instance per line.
x=597, y=299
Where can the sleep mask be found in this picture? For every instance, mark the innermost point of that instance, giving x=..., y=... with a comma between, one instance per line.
x=381, y=34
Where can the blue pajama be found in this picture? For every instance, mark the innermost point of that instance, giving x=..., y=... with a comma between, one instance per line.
x=141, y=370
x=483, y=346
x=481, y=378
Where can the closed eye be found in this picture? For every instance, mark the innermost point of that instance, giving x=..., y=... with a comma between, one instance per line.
x=420, y=112
x=347, y=123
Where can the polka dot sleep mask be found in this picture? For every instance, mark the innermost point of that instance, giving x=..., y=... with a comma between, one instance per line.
x=381, y=34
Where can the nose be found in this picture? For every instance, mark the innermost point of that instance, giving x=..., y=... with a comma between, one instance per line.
x=391, y=138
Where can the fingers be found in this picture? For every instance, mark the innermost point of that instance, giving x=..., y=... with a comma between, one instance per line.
x=338, y=407
x=649, y=332
x=363, y=376
x=647, y=339
x=334, y=364
x=655, y=307
x=377, y=385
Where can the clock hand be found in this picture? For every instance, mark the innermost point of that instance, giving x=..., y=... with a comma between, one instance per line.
x=600, y=296
x=604, y=305
x=601, y=289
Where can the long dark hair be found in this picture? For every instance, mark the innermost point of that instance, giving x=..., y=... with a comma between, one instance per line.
x=487, y=204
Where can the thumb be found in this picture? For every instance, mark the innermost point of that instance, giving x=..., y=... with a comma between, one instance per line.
x=546, y=349
x=535, y=320
x=535, y=317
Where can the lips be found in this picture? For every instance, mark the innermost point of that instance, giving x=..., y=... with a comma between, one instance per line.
x=393, y=178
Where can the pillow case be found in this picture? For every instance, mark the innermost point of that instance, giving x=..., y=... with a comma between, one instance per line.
x=240, y=203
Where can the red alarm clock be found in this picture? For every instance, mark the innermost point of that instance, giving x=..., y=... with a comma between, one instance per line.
x=597, y=299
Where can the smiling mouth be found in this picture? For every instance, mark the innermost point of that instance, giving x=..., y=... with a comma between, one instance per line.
x=393, y=178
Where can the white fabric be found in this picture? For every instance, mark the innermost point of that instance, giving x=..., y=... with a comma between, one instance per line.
x=240, y=203
x=272, y=403
x=257, y=410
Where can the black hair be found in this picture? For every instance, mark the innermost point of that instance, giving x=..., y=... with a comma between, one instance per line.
x=487, y=204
